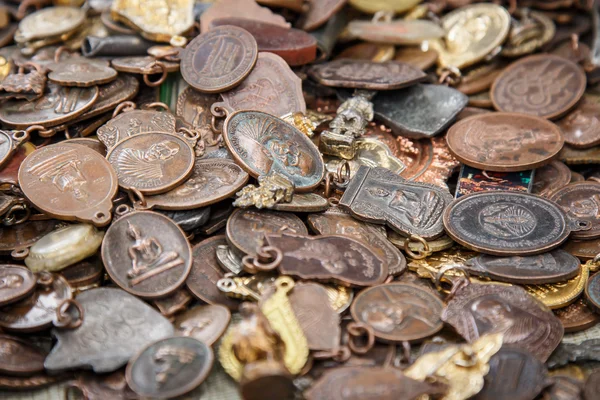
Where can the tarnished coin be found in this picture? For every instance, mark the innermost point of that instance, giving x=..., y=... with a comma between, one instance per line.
x=592, y=292
x=555, y=266
x=581, y=201
x=577, y=316
x=16, y=282
x=543, y=85
x=551, y=177
x=84, y=273
x=583, y=249
x=399, y=312
x=592, y=386
x=364, y=74
x=135, y=122
x=515, y=374
x=194, y=107
x=170, y=367
x=272, y=87
x=581, y=127
x=204, y=323
x=504, y=142
x=146, y=254
x=220, y=59
x=37, y=311
x=58, y=104
x=206, y=272
x=152, y=163
x=481, y=309
x=20, y=357
x=71, y=182
x=507, y=223
x=81, y=72
x=212, y=180
x=262, y=143
x=330, y=258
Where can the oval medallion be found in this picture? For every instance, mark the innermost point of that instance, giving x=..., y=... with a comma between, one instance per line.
x=262, y=143
x=16, y=282
x=581, y=201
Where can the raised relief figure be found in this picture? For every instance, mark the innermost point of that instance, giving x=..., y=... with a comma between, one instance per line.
x=147, y=256
x=11, y=281
x=585, y=208
x=538, y=87
x=492, y=141
x=507, y=221
x=63, y=170
x=221, y=60
x=147, y=165
x=387, y=317
x=327, y=254
x=170, y=360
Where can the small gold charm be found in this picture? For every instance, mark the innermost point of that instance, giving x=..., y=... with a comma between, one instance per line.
x=273, y=189
x=304, y=123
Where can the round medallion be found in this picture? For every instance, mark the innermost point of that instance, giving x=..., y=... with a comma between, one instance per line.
x=506, y=223
x=152, y=162
x=262, y=143
x=550, y=178
x=146, y=254
x=170, y=367
x=399, y=312
x=81, y=72
x=543, y=85
x=205, y=323
x=71, y=182
x=581, y=201
x=16, y=282
x=504, y=142
x=219, y=59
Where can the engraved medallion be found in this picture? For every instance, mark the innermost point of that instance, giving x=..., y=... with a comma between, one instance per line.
x=124, y=88
x=478, y=310
x=378, y=195
x=504, y=142
x=85, y=273
x=206, y=272
x=211, y=181
x=146, y=254
x=581, y=127
x=71, y=182
x=543, y=85
x=116, y=325
x=58, y=104
x=507, y=223
x=581, y=201
x=50, y=22
x=364, y=74
x=329, y=258
x=219, y=60
x=194, y=107
x=36, y=312
x=577, y=316
x=551, y=177
x=399, y=312
x=152, y=163
x=20, y=357
x=262, y=143
x=552, y=267
x=337, y=222
x=272, y=87
x=81, y=72
x=592, y=292
x=22, y=236
x=16, y=283
x=204, y=323
x=170, y=367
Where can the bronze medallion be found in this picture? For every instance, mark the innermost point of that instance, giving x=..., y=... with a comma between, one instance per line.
x=399, y=312
x=592, y=386
x=577, y=316
x=20, y=357
x=194, y=107
x=206, y=272
x=304, y=202
x=146, y=254
x=337, y=222
x=581, y=127
x=508, y=223
x=514, y=374
x=9, y=141
x=581, y=201
x=36, y=312
x=410, y=208
x=552, y=267
x=145, y=65
x=262, y=143
x=204, y=323
x=331, y=258
x=81, y=72
x=272, y=87
x=110, y=95
x=219, y=60
x=58, y=104
x=170, y=367
x=551, y=177
x=173, y=304
x=592, y=292
x=415, y=56
x=85, y=273
x=211, y=181
x=70, y=182
x=480, y=79
x=481, y=309
x=504, y=142
x=152, y=163
x=364, y=74
x=583, y=249
x=543, y=85
x=16, y=283
x=22, y=236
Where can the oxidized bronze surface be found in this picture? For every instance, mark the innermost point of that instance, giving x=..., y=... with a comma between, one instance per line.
x=551, y=177
x=504, y=141
x=219, y=60
x=205, y=323
x=583, y=249
x=71, y=182
x=261, y=144
x=577, y=316
x=194, y=107
x=240, y=8
x=123, y=88
x=23, y=236
x=19, y=357
x=81, y=72
x=544, y=85
x=399, y=312
x=581, y=201
x=592, y=292
x=9, y=141
x=16, y=283
x=581, y=127
x=143, y=65
x=146, y=254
